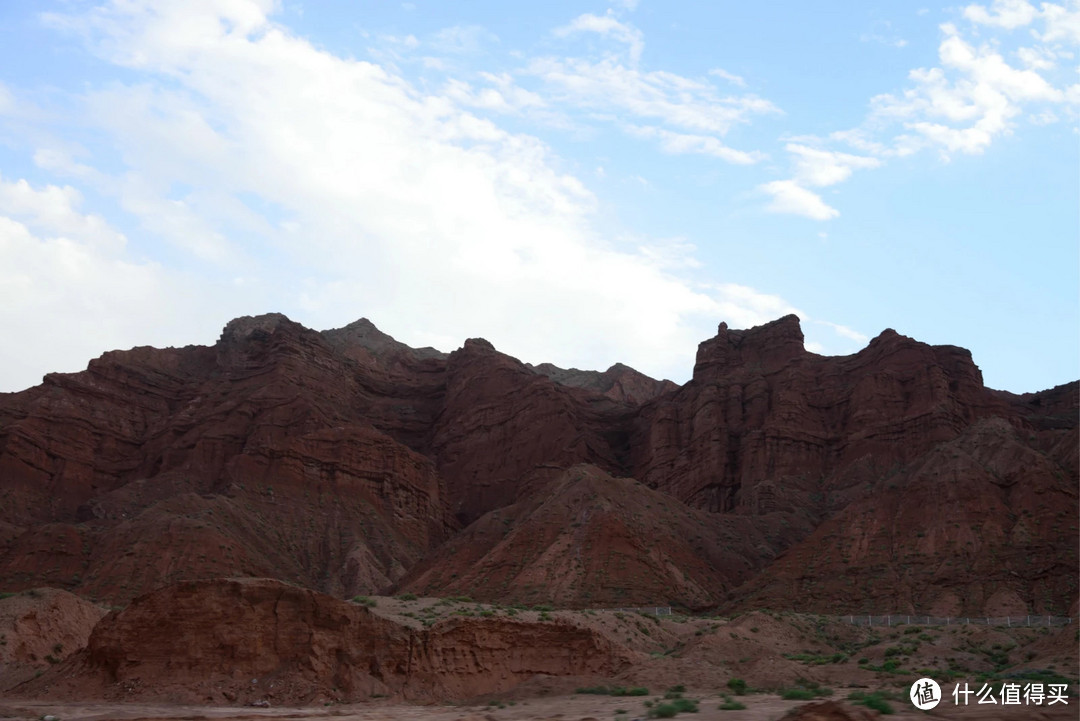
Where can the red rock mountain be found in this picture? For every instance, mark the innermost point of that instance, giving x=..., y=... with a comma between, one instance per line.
x=347, y=462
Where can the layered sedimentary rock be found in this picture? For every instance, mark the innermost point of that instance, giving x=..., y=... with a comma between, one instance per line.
x=262, y=455
x=347, y=462
x=257, y=639
x=581, y=538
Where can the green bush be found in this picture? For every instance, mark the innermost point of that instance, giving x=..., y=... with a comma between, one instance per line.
x=731, y=704
x=738, y=686
x=685, y=705
x=664, y=710
x=407, y=597
x=365, y=601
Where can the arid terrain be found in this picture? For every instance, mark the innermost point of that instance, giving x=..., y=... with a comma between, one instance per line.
x=335, y=524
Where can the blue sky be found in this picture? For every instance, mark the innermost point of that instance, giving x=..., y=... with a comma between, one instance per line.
x=579, y=183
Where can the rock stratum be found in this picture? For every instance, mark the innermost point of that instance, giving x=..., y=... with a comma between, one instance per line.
x=343, y=461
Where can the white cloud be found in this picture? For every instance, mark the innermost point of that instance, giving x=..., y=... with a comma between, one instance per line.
x=378, y=199
x=69, y=291
x=683, y=143
x=1008, y=14
x=463, y=39
x=1039, y=58
x=505, y=97
x=1061, y=22
x=844, y=331
x=962, y=106
x=672, y=99
x=53, y=210
x=821, y=168
x=607, y=26
x=730, y=77
x=788, y=197
x=983, y=99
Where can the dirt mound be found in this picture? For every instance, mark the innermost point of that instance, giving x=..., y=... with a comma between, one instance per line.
x=828, y=711
x=249, y=640
x=39, y=628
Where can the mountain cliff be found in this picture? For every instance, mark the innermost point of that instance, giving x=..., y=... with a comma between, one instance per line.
x=347, y=462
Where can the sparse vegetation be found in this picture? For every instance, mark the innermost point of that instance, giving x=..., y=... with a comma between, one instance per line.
x=875, y=700
x=365, y=601
x=731, y=704
x=613, y=690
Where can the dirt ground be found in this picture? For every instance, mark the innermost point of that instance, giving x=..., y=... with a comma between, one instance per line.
x=556, y=708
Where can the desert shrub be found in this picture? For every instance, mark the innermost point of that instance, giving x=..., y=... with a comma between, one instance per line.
x=685, y=705
x=365, y=601
x=407, y=597
x=731, y=704
x=737, y=685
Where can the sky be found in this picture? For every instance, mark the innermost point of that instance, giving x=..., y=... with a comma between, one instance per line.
x=579, y=183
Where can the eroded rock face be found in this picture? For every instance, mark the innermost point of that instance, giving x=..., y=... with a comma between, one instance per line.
x=580, y=538
x=972, y=527
x=345, y=461
x=271, y=453
x=764, y=423
x=251, y=639
x=39, y=628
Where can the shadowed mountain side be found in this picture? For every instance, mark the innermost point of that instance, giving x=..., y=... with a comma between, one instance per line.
x=580, y=538
x=619, y=382
x=976, y=524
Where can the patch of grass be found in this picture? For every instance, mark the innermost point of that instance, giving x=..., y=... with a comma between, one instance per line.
x=673, y=708
x=406, y=597
x=875, y=700
x=813, y=659
x=804, y=691
x=731, y=704
x=797, y=694
x=365, y=601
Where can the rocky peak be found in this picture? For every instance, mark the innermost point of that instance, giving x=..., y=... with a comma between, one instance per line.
x=478, y=344
x=364, y=335
x=245, y=341
x=766, y=347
